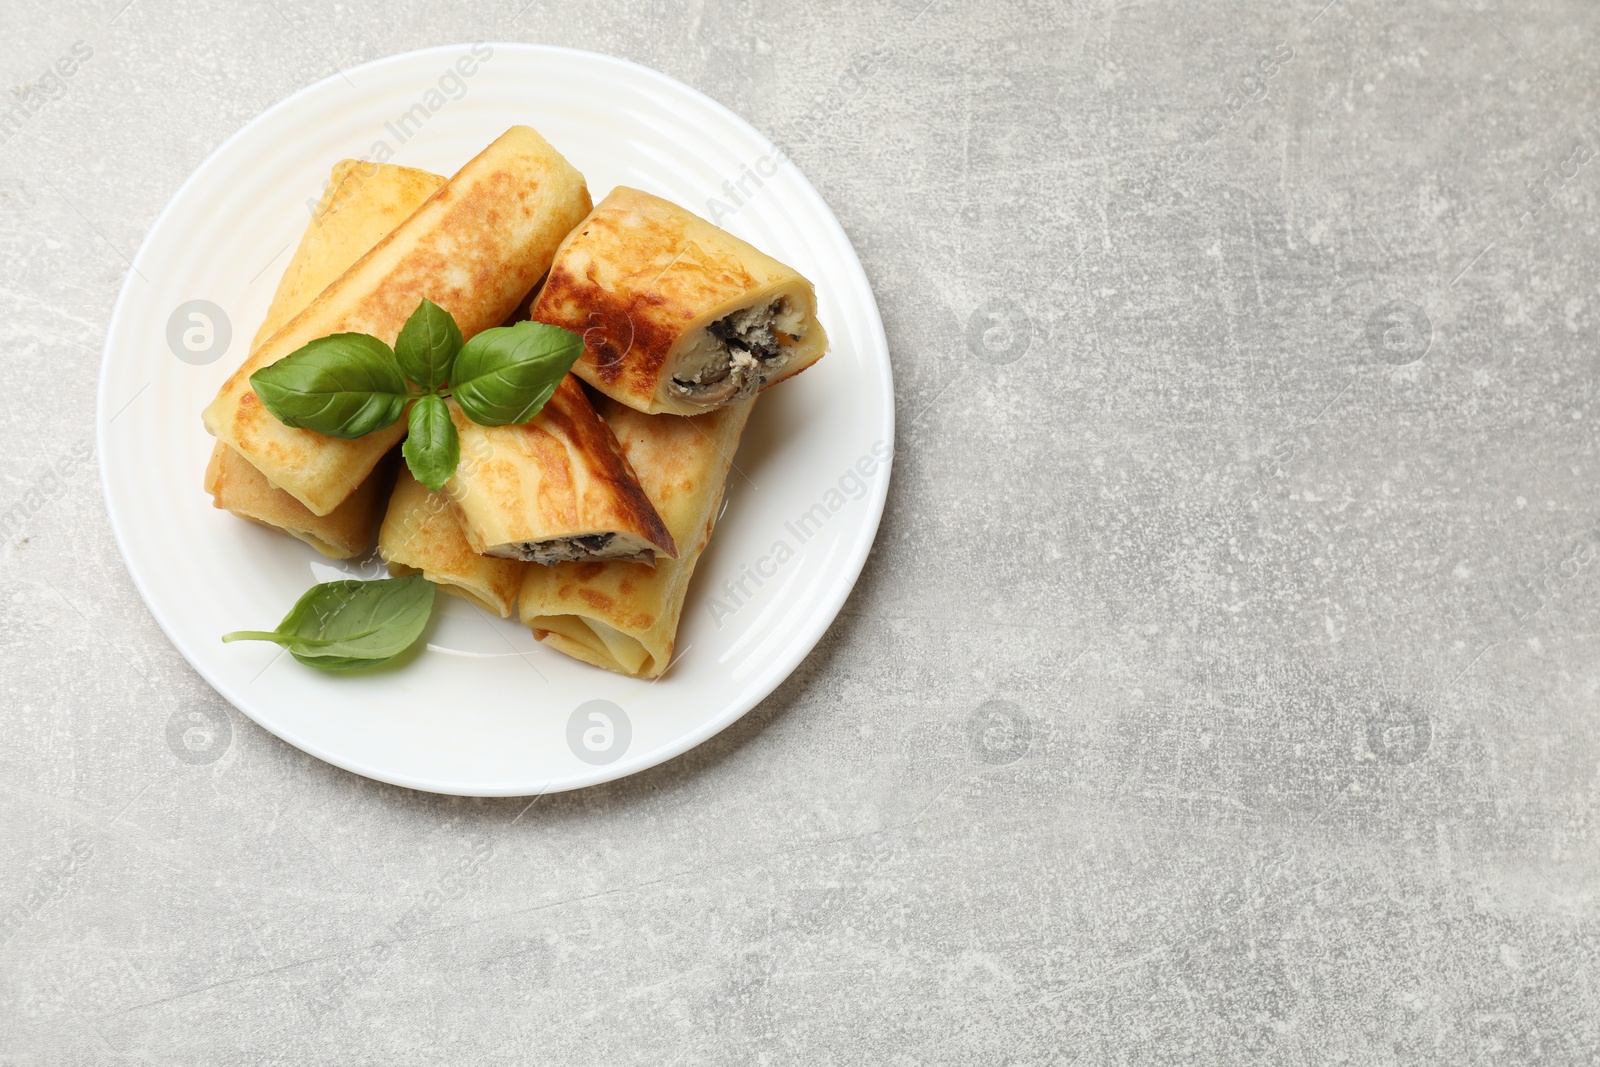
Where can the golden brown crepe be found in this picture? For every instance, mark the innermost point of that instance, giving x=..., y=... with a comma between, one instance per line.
x=624, y=616
x=421, y=532
x=343, y=533
x=476, y=248
x=553, y=489
x=362, y=203
x=676, y=314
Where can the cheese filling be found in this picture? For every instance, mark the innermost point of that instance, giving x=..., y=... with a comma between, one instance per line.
x=738, y=354
x=585, y=548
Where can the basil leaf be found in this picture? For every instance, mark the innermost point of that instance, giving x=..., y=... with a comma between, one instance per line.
x=504, y=375
x=427, y=345
x=347, y=625
x=432, y=448
x=346, y=385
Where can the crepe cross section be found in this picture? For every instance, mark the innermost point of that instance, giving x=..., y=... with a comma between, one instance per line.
x=584, y=513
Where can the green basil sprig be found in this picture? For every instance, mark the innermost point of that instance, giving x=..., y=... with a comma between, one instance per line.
x=352, y=384
x=350, y=625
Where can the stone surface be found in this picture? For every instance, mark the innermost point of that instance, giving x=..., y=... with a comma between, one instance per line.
x=1222, y=687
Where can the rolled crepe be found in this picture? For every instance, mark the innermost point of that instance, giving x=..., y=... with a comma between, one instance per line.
x=475, y=248
x=361, y=204
x=624, y=616
x=422, y=533
x=676, y=314
x=343, y=533
x=554, y=489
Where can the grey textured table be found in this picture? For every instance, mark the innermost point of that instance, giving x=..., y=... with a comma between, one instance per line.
x=1222, y=687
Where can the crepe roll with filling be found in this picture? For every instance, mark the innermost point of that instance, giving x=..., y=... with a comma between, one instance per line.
x=554, y=489
x=476, y=248
x=624, y=616
x=676, y=314
x=361, y=204
x=422, y=534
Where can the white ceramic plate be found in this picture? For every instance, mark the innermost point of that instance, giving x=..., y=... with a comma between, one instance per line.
x=486, y=710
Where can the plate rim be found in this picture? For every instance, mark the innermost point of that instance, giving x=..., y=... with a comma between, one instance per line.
x=762, y=686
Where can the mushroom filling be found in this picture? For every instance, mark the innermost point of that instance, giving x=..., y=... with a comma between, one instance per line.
x=738, y=353
x=575, y=549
